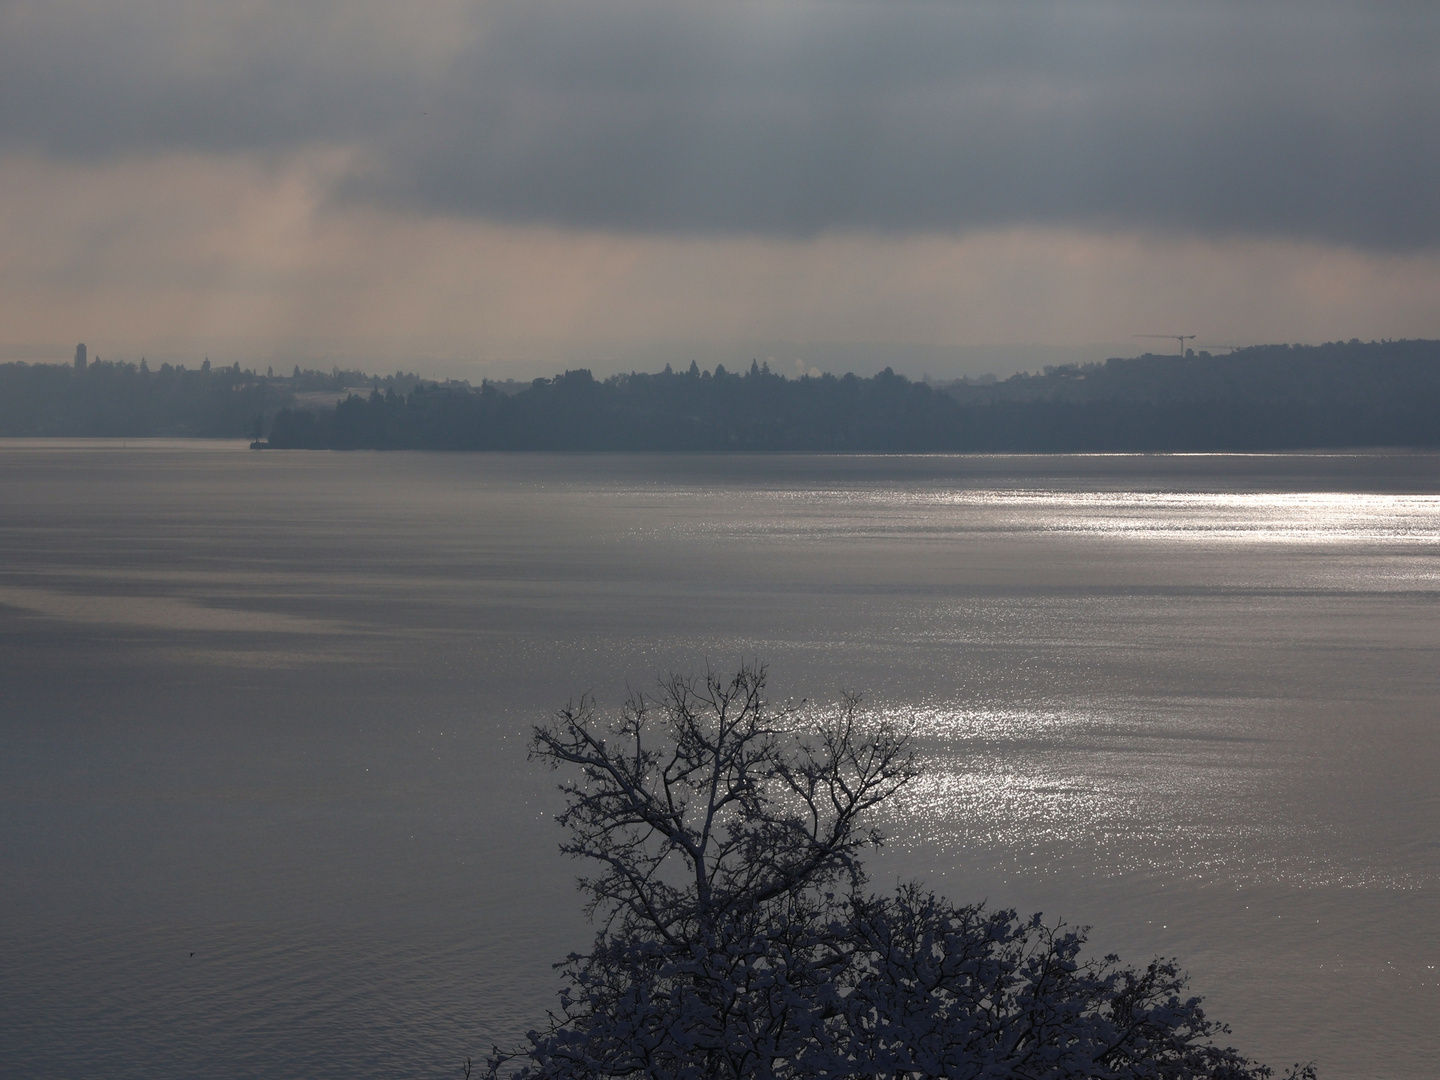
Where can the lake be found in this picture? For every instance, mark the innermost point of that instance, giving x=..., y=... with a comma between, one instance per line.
x=266, y=809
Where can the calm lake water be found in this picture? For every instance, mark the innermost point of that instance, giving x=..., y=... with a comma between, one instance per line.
x=265, y=808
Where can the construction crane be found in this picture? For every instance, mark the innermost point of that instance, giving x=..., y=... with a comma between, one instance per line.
x=1181, y=338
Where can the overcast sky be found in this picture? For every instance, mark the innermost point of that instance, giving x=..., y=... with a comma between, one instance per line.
x=510, y=188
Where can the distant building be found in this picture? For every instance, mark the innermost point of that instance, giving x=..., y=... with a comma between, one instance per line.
x=80, y=358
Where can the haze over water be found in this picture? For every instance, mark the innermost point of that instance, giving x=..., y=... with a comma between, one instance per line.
x=271, y=710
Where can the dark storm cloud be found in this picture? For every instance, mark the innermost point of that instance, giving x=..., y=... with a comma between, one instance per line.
x=1317, y=121
x=117, y=79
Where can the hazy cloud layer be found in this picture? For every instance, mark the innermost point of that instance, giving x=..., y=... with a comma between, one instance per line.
x=1315, y=121
x=179, y=257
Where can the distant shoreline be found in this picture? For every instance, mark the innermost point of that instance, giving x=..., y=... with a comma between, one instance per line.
x=1344, y=396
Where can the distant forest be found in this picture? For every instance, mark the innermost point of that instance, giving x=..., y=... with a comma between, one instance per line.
x=1273, y=397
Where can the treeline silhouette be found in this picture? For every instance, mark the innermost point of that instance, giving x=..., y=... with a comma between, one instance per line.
x=1272, y=397
x=1345, y=394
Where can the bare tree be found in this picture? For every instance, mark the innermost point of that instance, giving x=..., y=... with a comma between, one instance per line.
x=736, y=939
x=704, y=803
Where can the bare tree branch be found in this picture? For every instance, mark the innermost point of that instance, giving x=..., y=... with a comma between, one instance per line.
x=736, y=940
